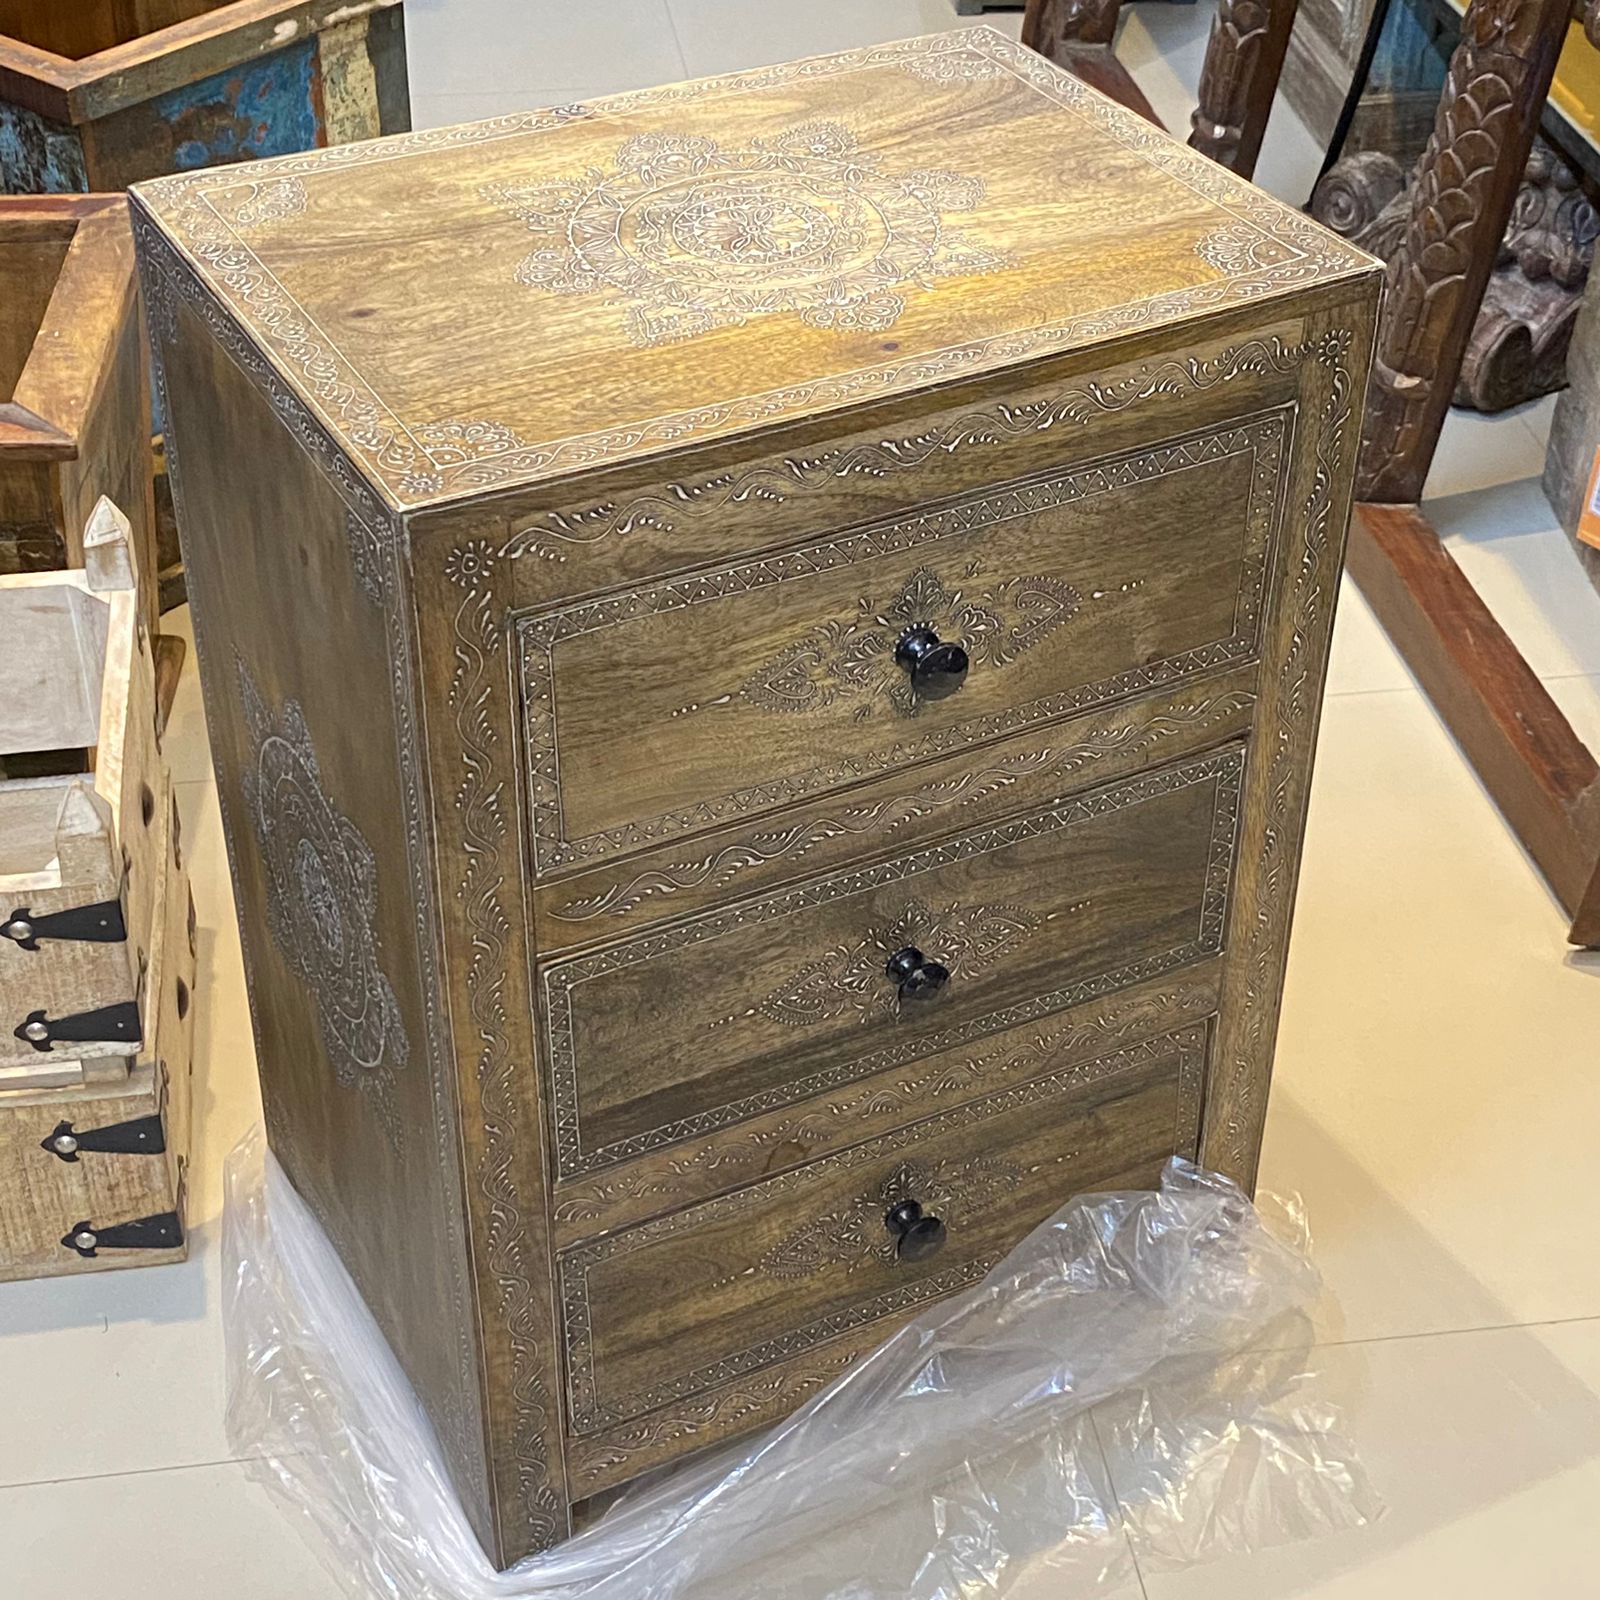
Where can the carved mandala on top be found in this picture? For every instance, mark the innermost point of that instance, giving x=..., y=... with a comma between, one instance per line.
x=692, y=236
x=322, y=893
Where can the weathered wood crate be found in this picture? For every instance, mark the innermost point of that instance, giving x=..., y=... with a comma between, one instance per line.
x=97, y=94
x=74, y=384
x=97, y=968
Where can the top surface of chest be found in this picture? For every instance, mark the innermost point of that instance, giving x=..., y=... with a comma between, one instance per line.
x=477, y=307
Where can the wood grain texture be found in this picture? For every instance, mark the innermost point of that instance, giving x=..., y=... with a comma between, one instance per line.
x=580, y=364
x=736, y=689
x=677, y=1309
x=765, y=1144
x=436, y=511
x=345, y=1005
x=767, y=1001
x=900, y=809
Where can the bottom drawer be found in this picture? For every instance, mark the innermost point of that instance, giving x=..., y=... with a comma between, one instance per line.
x=666, y=1321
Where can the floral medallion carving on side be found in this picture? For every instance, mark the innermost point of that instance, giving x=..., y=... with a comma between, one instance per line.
x=323, y=895
x=691, y=236
x=854, y=658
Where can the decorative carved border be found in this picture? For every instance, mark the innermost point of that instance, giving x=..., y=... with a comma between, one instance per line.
x=375, y=554
x=593, y=1461
x=588, y=1414
x=539, y=634
x=1290, y=708
x=998, y=422
x=1224, y=768
x=716, y=868
x=413, y=470
x=747, y=1152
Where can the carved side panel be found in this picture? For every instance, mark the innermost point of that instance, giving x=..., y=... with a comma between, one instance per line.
x=307, y=663
x=461, y=606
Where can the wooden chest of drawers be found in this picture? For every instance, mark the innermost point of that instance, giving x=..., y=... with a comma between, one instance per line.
x=762, y=642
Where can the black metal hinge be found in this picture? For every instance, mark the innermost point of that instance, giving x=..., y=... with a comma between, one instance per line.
x=143, y=1136
x=100, y=923
x=160, y=1232
x=118, y=1024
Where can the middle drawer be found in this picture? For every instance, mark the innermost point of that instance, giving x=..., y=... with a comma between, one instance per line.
x=671, y=1034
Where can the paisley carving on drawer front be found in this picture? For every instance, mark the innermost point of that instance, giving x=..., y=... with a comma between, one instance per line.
x=852, y=652
x=850, y=976
x=853, y=659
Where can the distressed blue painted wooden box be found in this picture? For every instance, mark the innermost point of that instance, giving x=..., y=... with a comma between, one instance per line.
x=98, y=94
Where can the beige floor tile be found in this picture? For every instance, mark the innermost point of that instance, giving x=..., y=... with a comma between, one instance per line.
x=1362, y=660
x=1435, y=1092
x=1506, y=539
x=1486, y=1447
x=1477, y=452
x=179, y=1535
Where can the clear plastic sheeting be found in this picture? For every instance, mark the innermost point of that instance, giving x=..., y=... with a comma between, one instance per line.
x=1131, y=1379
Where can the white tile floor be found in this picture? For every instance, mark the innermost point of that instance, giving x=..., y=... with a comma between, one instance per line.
x=1437, y=1097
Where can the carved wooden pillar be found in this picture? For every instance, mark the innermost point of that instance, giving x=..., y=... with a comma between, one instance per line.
x=1244, y=58
x=1469, y=176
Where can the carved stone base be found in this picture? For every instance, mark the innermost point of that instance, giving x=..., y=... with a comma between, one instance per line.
x=1518, y=347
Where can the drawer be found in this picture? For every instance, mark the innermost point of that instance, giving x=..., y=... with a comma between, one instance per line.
x=727, y=693
x=667, y=1035
x=676, y=1311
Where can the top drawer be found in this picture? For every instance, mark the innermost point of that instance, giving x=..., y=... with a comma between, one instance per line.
x=732, y=691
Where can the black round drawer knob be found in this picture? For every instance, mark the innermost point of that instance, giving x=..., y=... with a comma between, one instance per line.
x=917, y=1235
x=918, y=977
x=936, y=668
